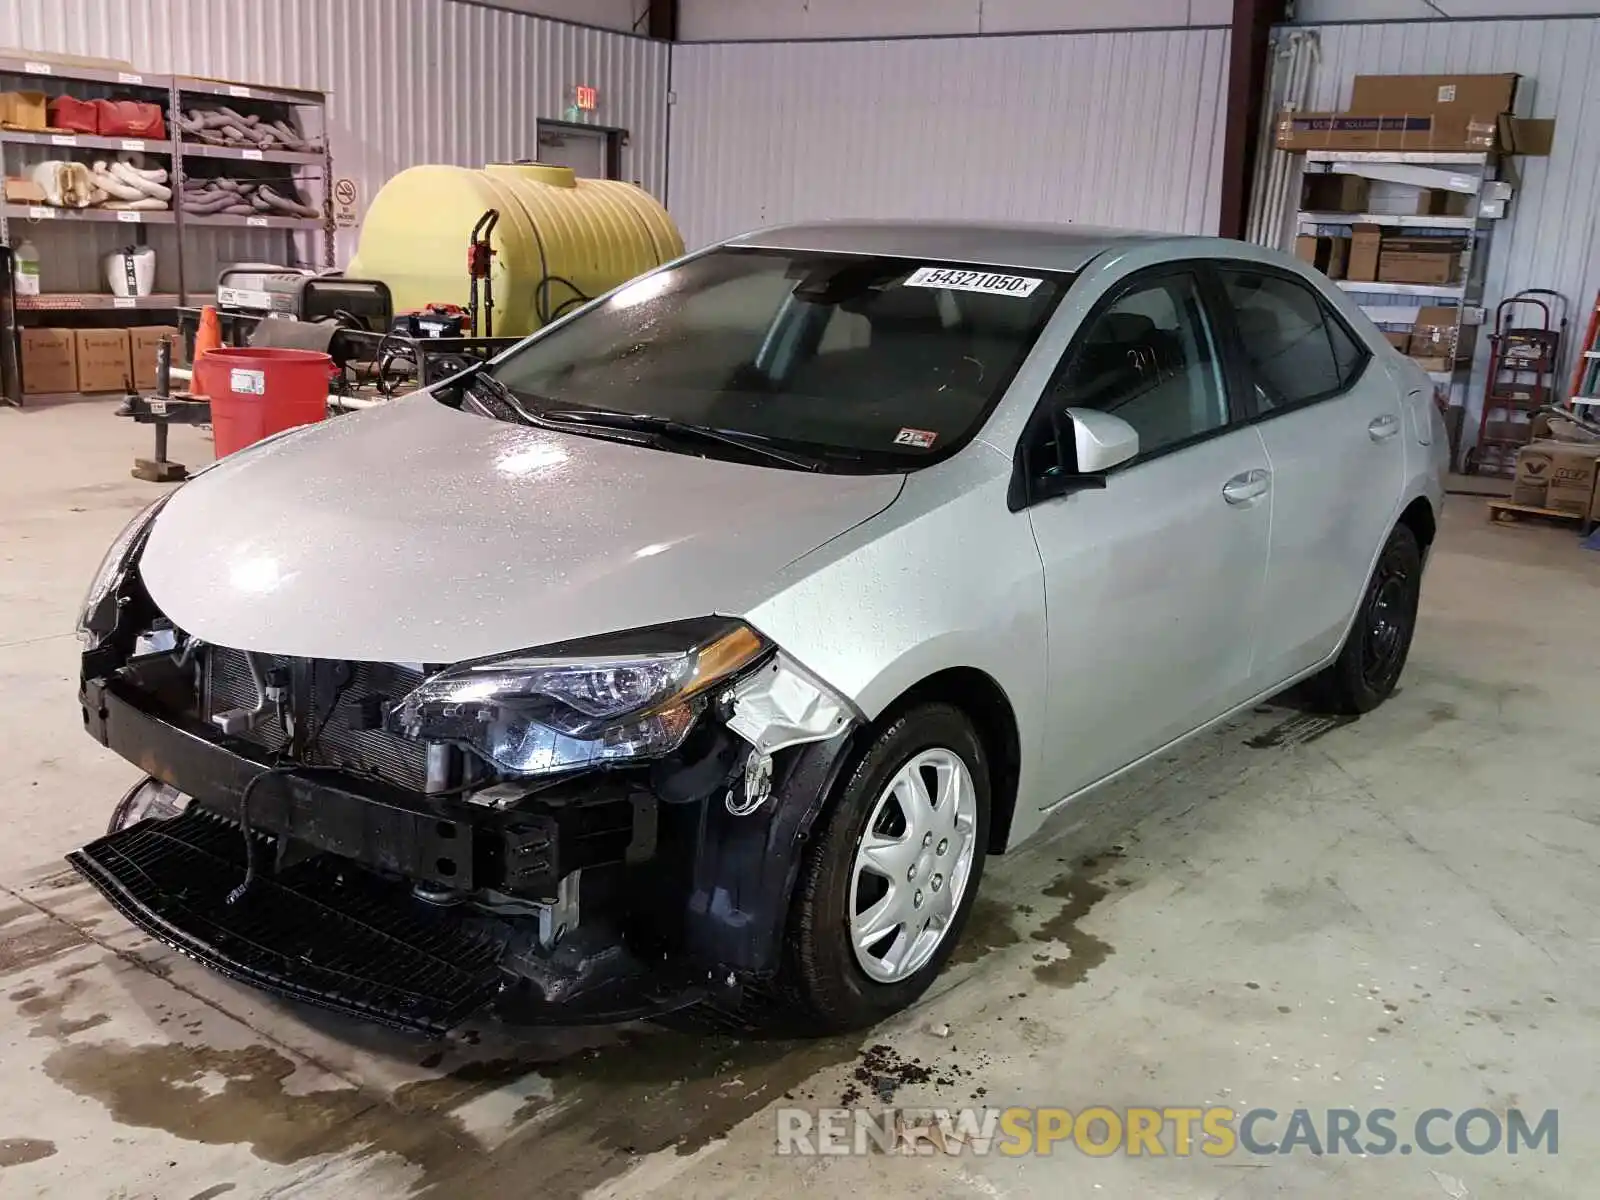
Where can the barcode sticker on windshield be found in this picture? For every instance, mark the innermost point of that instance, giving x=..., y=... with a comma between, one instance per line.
x=973, y=281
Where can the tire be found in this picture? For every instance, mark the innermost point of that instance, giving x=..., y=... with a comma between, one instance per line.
x=824, y=985
x=1374, y=655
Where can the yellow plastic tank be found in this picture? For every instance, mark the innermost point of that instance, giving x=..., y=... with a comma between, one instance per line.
x=559, y=239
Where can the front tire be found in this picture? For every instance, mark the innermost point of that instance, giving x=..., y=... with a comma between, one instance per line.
x=888, y=881
x=1374, y=655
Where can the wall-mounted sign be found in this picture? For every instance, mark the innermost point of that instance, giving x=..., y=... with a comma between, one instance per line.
x=345, y=198
x=585, y=99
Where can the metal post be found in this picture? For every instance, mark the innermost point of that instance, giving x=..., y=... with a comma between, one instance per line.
x=176, y=181
x=160, y=469
x=1249, y=49
x=663, y=20
x=10, y=360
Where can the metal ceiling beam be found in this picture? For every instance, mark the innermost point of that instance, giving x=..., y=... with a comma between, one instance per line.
x=1249, y=51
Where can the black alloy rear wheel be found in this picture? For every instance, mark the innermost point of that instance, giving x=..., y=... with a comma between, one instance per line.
x=1374, y=655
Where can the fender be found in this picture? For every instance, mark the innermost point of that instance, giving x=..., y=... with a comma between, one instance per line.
x=745, y=868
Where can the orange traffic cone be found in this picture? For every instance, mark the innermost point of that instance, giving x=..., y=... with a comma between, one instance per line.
x=207, y=338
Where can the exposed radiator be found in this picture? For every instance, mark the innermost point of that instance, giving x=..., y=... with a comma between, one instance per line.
x=400, y=761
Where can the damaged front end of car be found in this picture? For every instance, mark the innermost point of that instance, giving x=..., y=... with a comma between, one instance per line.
x=593, y=831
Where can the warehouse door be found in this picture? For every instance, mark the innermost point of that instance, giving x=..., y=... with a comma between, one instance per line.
x=591, y=153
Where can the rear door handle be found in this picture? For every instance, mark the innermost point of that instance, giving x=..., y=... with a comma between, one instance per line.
x=1247, y=486
x=1383, y=428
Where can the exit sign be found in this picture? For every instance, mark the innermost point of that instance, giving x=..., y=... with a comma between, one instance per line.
x=586, y=98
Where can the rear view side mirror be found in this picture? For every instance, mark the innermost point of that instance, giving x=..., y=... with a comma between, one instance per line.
x=1087, y=445
x=1083, y=445
x=1101, y=441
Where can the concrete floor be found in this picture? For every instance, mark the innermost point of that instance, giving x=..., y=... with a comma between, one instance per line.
x=1397, y=912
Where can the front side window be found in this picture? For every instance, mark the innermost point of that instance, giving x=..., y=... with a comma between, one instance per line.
x=1150, y=359
x=864, y=362
x=1298, y=351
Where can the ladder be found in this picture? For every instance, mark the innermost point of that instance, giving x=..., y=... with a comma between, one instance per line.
x=1586, y=375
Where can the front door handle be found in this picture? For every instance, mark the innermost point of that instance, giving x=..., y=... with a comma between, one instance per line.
x=1383, y=428
x=1247, y=486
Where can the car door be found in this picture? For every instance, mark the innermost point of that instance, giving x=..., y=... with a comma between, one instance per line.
x=1153, y=583
x=1331, y=422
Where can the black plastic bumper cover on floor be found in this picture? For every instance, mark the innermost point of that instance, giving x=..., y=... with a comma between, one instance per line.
x=320, y=931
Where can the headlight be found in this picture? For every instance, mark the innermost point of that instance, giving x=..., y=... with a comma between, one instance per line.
x=98, y=616
x=633, y=696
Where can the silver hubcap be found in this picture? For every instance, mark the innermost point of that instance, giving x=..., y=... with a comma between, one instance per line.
x=912, y=865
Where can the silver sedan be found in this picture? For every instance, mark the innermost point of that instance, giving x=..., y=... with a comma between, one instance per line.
x=703, y=647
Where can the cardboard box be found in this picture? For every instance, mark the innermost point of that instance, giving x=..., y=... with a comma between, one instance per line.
x=1413, y=112
x=1330, y=255
x=1436, y=335
x=1519, y=135
x=1412, y=266
x=27, y=111
x=1298, y=131
x=143, y=341
x=103, y=360
x=1557, y=475
x=1366, y=242
x=1334, y=193
x=1437, y=202
x=1505, y=134
x=1531, y=483
x=22, y=191
x=1419, y=260
x=1482, y=94
x=1573, y=467
x=49, y=361
x=1338, y=257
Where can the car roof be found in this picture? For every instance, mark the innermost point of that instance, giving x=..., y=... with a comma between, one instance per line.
x=1044, y=247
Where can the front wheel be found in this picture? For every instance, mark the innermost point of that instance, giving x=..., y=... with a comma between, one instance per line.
x=1374, y=654
x=888, y=882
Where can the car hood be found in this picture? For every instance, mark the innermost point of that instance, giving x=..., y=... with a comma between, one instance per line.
x=417, y=533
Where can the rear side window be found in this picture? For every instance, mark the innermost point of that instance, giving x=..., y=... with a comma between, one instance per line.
x=1298, y=350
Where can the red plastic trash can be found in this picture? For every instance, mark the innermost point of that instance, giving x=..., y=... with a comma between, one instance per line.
x=257, y=392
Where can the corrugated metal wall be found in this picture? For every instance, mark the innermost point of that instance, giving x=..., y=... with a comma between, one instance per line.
x=1109, y=128
x=1552, y=236
x=412, y=81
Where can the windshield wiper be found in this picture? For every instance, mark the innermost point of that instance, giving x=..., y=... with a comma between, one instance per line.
x=651, y=423
x=496, y=392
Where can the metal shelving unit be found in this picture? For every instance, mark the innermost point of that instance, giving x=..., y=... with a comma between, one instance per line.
x=1439, y=290
x=97, y=302
x=171, y=92
x=86, y=141
x=1388, y=219
x=41, y=213
x=1471, y=174
x=241, y=154
x=199, y=85
x=211, y=89
x=263, y=221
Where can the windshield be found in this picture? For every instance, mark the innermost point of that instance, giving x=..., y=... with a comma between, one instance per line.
x=867, y=363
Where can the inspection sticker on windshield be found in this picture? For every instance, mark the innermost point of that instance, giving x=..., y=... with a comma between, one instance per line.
x=973, y=281
x=923, y=439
